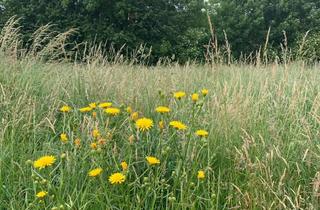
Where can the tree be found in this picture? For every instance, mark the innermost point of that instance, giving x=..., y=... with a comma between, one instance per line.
x=172, y=27
x=247, y=21
x=151, y=22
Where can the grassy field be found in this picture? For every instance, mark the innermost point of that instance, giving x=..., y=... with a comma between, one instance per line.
x=262, y=150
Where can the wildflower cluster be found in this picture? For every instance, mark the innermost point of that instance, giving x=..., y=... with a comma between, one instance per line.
x=119, y=145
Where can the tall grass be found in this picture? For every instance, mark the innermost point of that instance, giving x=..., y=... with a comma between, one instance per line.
x=262, y=151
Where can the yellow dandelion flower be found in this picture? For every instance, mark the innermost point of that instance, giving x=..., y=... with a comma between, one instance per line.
x=195, y=97
x=202, y=133
x=161, y=125
x=178, y=125
x=124, y=165
x=93, y=105
x=129, y=109
x=117, y=178
x=144, y=124
x=204, y=92
x=112, y=111
x=105, y=105
x=94, y=145
x=44, y=162
x=162, y=109
x=179, y=94
x=77, y=142
x=65, y=109
x=85, y=109
x=63, y=137
x=152, y=160
x=95, y=133
x=134, y=116
x=201, y=174
x=42, y=194
x=95, y=172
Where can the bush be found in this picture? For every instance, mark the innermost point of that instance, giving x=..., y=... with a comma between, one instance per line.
x=191, y=44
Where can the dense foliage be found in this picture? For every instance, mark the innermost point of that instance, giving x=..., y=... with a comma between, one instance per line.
x=176, y=29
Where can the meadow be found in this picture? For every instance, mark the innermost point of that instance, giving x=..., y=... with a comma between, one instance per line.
x=81, y=136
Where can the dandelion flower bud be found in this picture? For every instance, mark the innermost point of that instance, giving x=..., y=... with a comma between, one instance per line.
x=63, y=156
x=131, y=139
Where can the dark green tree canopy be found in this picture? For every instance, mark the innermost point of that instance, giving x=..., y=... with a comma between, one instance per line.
x=172, y=27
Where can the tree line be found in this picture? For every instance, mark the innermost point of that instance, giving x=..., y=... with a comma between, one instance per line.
x=178, y=29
